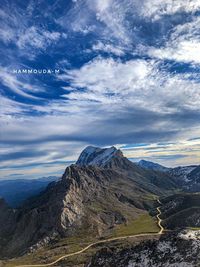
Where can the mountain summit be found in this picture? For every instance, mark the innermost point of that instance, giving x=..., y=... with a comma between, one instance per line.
x=95, y=156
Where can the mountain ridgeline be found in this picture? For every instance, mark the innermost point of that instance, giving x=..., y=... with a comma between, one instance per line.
x=187, y=178
x=102, y=190
x=152, y=166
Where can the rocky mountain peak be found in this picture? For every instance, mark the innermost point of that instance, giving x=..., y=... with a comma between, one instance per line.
x=96, y=156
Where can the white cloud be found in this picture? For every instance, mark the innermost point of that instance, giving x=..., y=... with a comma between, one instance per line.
x=115, y=18
x=134, y=83
x=31, y=40
x=78, y=19
x=37, y=38
x=113, y=15
x=8, y=22
x=185, y=51
x=157, y=8
x=183, y=44
x=9, y=108
x=106, y=18
x=108, y=75
x=6, y=35
x=19, y=87
x=108, y=48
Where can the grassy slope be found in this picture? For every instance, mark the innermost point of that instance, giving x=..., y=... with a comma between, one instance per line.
x=143, y=224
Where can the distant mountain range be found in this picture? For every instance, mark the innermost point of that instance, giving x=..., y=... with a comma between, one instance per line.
x=152, y=166
x=186, y=177
x=16, y=191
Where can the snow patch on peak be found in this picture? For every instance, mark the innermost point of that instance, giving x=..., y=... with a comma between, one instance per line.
x=91, y=149
x=96, y=156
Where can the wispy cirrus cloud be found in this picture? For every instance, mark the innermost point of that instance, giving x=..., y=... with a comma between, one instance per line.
x=29, y=38
x=19, y=87
x=35, y=37
x=155, y=9
x=108, y=48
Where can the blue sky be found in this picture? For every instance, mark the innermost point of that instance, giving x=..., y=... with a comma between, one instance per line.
x=129, y=76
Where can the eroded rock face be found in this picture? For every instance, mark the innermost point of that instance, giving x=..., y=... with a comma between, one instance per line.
x=173, y=250
x=48, y=215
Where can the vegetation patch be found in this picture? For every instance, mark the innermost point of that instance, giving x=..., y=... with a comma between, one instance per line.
x=143, y=224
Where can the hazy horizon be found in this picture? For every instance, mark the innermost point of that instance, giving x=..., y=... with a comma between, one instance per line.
x=43, y=173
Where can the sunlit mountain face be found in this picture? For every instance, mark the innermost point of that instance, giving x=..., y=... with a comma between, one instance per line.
x=98, y=72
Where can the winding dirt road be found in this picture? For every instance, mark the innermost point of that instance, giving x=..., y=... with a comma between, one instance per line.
x=101, y=242
x=159, y=219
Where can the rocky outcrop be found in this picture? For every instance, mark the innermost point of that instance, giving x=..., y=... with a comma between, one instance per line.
x=172, y=250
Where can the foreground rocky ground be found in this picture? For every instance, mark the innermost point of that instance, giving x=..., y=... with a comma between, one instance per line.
x=172, y=250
